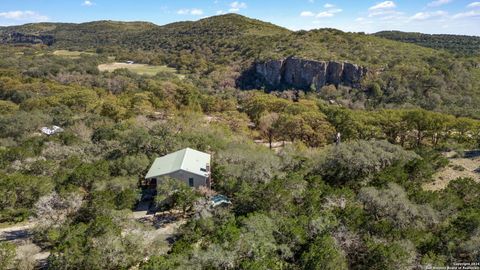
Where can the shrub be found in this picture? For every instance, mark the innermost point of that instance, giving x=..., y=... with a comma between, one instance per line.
x=7, y=255
x=393, y=205
x=323, y=253
x=357, y=160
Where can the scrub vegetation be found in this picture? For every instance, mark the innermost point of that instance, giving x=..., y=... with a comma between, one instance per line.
x=310, y=204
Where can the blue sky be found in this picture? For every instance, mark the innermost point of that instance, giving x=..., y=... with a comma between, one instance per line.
x=428, y=16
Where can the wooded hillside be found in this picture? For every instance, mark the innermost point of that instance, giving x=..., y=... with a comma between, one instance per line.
x=300, y=197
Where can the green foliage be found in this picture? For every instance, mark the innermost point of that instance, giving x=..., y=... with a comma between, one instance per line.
x=324, y=254
x=134, y=165
x=357, y=160
x=86, y=174
x=18, y=193
x=393, y=205
x=158, y=262
x=96, y=245
x=175, y=194
x=428, y=78
x=458, y=44
x=7, y=107
x=22, y=124
x=306, y=205
x=396, y=255
x=7, y=255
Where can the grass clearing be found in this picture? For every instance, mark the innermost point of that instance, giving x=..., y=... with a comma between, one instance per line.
x=7, y=225
x=141, y=69
x=71, y=54
x=459, y=167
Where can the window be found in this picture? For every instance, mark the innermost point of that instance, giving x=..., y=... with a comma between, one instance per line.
x=203, y=169
x=190, y=182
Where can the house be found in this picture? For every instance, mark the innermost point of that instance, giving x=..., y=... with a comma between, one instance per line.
x=187, y=165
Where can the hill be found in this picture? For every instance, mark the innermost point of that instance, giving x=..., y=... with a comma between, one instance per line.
x=401, y=74
x=312, y=181
x=76, y=36
x=457, y=44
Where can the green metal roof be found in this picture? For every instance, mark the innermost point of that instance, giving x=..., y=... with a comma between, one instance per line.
x=187, y=159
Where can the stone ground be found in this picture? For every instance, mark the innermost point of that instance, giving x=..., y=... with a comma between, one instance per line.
x=467, y=166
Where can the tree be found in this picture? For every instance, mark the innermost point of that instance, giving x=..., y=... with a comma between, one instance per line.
x=21, y=123
x=440, y=127
x=465, y=128
x=112, y=109
x=392, y=125
x=86, y=174
x=323, y=253
x=18, y=194
x=134, y=165
x=393, y=204
x=418, y=121
x=290, y=127
x=99, y=244
x=357, y=160
x=344, y=122
x=174, y=193
x=394, y=255
x=53, y=210
x=7, y=107
x=268, y=126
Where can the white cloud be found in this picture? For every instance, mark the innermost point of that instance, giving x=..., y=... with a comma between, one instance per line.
x=383, y=5
x=421, y=16
x=325, y=14
x=196, y=11
x=88, y=3
x=474, y=5
x=335, y=10
x=307, y=14
x=193, y=11
x=329, y=13
x=26, y=15
x=385, y=10
x=469, y=14
x=438, y=3
x=237, y=6
x=220, y=12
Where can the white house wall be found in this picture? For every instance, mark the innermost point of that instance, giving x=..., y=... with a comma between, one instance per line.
x=184, y=177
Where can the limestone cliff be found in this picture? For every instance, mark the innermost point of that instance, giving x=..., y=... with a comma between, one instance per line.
x=303, y=74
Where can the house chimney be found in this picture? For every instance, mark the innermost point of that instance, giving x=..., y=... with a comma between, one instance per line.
x=209, y=176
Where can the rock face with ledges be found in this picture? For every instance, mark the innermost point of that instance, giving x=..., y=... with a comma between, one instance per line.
x=305, y=74
x=271, y=71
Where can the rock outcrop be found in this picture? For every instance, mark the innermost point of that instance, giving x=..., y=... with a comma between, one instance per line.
x=305, y=74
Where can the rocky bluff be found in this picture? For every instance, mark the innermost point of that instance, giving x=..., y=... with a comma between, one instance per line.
x=303, y=74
